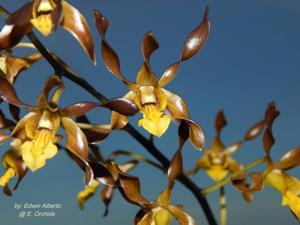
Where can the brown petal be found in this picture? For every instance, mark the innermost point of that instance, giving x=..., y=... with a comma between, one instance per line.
x=178, y=110
x=193, y=44
x=79, y=109
x=220, y=122
x=102, y=173
x=43, y=100
x=74, y=22
x=271, y=114
x=110, y=57
x=233, y=148
x=8, y=94
x=119, y=105
x=268, y=141
x=7, y=191
x=96, y=135
x=106, y=195
x=122, y=105
x=196, y=38
x=176, y=166
x=76, y=140
x=125, y=167
x=257, y=184
x=84, y=165
x=196, y=134
x=175, y=105
x=21, y=171
x=129, y=186
x=289, y=160
x=15, y=112
x=148, y=46
x=17, y=65
x=17, y=25
x=255, y=130
x=182, y=217
x=107, y=192
x=21, y=124
x=145, y=75
x=119, y=121
x=217, y=145
x=168, y=74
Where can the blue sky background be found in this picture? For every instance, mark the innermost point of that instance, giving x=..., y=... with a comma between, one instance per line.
x=251, y=58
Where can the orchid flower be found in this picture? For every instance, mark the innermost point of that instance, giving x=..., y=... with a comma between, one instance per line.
x=46, y=16
x=148, y=92
x=275, y=174
x=41, y=124
x=217, y=160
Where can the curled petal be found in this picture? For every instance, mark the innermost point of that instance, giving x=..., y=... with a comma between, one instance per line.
x=16, y=65
x=146, y=76
x=220, y=122
x=289, y=160
x=20, y=127
x=16, y=27
x=271, y=114
x=193, y=44
x=268, y=141
x=15, y=112
x=129, y=186
x=255, y=130
x=74, y=22
x=246, y=189
x=43, y=100
x=118, y=121
x=233, y=148
x=96, y=134
x=8, y=94
x=120, y=105
x=102, y=173
x=21, y=170
x=196, y=38
x=110, y=57
x=106, y=195
x=76, y=140
x=182, y=217
x=107, y=192
x=178, y=110
x=176, y=166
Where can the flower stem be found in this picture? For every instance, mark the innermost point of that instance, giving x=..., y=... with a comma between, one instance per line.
x=229, y=178
x=136, y=156
x=223, y=207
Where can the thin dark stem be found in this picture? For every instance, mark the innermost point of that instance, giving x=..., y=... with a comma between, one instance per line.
x=148, y=145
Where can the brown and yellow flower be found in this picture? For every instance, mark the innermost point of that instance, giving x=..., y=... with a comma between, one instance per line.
x=148, y=92
x=46, y=16
x=14, y=165
x=41, y=124
x=217, y=160
x=11, y=66
x=275, y=174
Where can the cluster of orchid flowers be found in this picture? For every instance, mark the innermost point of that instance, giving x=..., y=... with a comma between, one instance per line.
x=35, y=137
